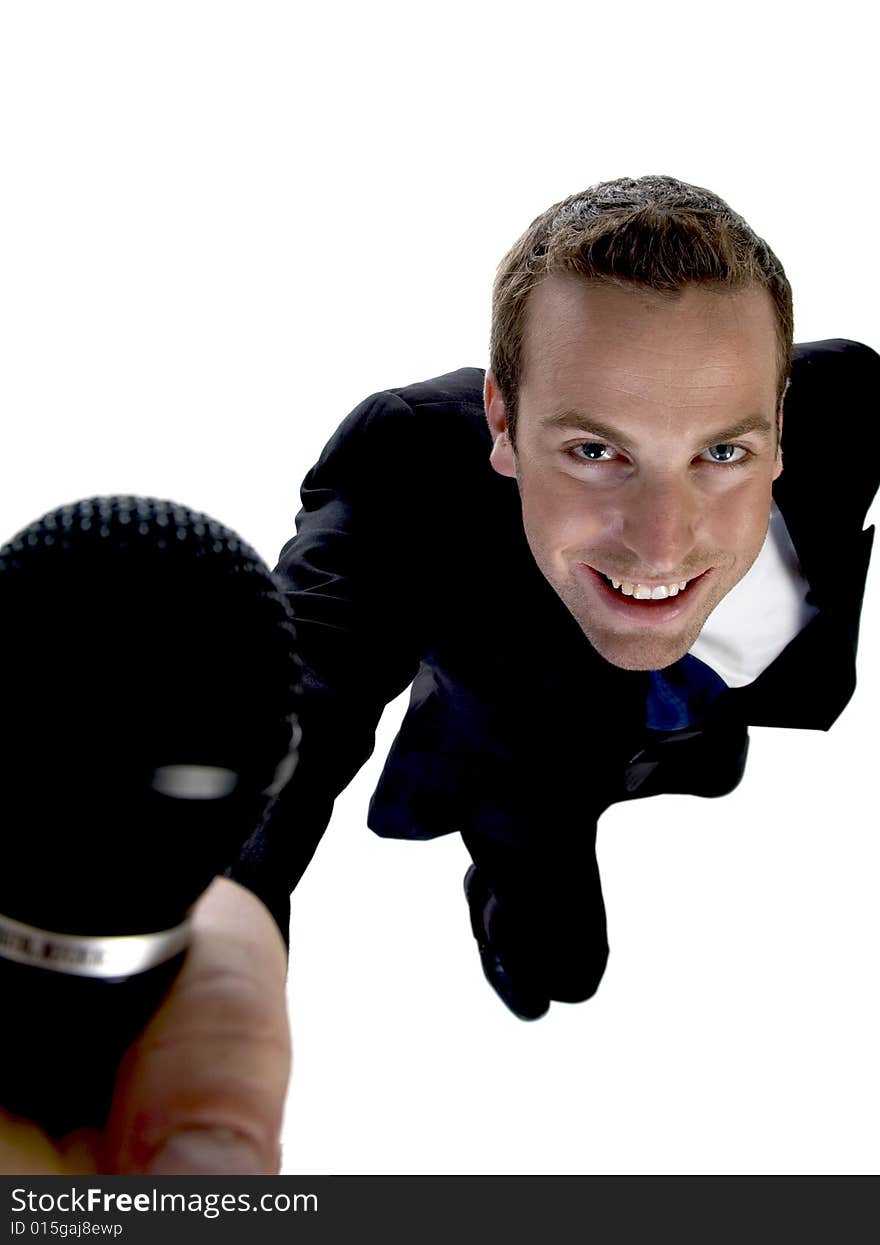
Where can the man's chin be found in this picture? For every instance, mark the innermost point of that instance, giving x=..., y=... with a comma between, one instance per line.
x=640, y=652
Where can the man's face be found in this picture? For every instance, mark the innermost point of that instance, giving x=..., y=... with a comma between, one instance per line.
x=646, y=447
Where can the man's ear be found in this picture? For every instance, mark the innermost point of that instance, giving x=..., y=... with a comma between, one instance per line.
x=502, y=458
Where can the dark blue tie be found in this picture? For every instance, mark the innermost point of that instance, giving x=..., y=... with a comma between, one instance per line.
x=680, y=695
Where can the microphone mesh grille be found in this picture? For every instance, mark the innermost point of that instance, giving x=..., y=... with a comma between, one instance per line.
x=146, y=589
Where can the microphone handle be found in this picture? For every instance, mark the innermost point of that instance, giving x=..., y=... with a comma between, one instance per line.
x=63, y=1037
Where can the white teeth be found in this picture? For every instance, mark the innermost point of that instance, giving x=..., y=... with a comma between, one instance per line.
x=641, y=592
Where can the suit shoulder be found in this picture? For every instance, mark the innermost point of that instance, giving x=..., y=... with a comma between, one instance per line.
x=461, y=391
x=839, y=357
x=831, y=377
x=447, y=407
x=411, y=436
x=454, y=398
x=835, y=390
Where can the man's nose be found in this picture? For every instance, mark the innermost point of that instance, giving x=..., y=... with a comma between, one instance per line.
x=660, y=523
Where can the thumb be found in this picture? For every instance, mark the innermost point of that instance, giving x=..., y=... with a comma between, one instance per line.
x=202, y=1089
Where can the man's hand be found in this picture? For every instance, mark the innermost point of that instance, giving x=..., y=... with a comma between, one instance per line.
x=202, y=1089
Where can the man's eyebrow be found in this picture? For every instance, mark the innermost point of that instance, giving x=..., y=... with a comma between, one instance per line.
x=607, y=432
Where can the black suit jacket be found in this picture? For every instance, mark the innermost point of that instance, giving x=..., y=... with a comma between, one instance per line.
x=410, y=565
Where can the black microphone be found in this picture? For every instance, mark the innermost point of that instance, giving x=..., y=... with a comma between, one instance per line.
x=149, y=694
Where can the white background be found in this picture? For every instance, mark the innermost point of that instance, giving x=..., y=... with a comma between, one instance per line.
x=222, y=226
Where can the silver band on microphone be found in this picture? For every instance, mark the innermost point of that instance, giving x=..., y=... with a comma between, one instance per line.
x=116, y=956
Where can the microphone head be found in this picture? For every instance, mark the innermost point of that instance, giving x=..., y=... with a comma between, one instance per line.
x=149, y=694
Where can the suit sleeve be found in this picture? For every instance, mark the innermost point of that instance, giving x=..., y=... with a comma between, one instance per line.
x=349, y=575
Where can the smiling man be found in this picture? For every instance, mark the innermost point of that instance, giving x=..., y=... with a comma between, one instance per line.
x=588, y=562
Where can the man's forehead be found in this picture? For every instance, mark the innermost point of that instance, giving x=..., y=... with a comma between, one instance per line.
x=698, y=345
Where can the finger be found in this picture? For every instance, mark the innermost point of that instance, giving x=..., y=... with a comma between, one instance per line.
x=202, y=1090
x=25, y=1150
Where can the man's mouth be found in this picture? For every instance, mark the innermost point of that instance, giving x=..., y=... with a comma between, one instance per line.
x=646, y=599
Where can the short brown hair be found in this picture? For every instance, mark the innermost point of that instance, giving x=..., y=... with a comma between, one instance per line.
x=655, y=232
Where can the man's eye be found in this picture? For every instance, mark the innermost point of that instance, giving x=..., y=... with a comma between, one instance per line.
x=725, y=453
x=593, y=452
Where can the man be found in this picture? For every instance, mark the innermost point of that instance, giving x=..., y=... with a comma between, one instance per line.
x=520, y=554
x=589, y=561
